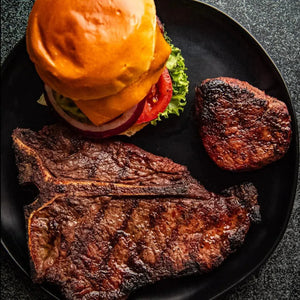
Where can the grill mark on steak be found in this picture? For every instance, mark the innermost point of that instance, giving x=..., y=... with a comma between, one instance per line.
x=131, y=205
x=104, y=240
x=241, y=127
x=202, y=234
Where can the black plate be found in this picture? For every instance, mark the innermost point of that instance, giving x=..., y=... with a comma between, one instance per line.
x=213, y=45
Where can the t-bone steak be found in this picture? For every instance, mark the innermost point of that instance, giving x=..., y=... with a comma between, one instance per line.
x=111, y=217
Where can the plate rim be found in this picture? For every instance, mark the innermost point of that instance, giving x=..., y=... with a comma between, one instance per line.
x=297, y=168
x=294, y=120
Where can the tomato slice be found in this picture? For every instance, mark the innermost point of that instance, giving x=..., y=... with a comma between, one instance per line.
x=158, y=98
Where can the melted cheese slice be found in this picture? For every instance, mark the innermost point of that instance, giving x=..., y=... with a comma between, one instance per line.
x=100, y=111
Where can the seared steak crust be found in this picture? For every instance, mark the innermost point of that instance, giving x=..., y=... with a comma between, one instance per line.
x=101, y=236
x=241, y=127
x=104, y=248
x=57, y=161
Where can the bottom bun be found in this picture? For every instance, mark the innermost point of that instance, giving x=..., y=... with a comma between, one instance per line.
x=134, y=129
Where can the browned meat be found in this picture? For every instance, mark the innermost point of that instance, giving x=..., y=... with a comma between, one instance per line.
x=242, y=128
x=103, y=243
x=104, y=248
x=56, y=160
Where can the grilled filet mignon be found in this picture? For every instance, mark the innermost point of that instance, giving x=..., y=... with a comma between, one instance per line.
x=241, y=127
x=134, y=218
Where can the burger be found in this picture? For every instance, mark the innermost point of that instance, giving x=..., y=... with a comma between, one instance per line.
x=108, y=66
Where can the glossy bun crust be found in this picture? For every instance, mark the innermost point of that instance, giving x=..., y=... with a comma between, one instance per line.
x=89, y=49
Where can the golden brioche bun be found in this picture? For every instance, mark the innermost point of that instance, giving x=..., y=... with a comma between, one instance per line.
x=89, y=49
x=105, y=109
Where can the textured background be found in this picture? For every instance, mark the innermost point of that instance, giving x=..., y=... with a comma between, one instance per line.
x=275, y=24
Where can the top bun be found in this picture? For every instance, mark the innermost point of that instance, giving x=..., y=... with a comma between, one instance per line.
x=89, y=49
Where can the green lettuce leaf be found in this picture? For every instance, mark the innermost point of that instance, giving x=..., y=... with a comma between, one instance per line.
x=71, y=108
x=176, y=67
